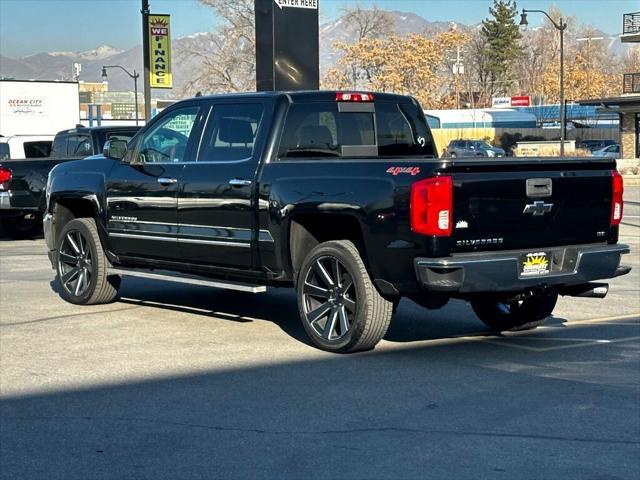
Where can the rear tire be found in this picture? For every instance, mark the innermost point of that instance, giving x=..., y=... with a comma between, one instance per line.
x=82, y=266
x=20, y=228
x=340, y=309
x=501, y=315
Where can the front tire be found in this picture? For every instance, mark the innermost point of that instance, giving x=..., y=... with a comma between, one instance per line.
x=502, y=315
x=82, y=266
x=341, y=310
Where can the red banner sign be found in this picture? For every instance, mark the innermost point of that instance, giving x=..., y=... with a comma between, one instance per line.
x=521, y=101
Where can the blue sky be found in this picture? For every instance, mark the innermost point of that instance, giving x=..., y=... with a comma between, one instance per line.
x=32, y=26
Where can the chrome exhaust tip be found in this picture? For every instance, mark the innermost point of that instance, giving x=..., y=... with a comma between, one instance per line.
x=586, y=290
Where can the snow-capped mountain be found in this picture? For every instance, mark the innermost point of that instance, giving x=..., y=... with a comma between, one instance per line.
x=58, y=65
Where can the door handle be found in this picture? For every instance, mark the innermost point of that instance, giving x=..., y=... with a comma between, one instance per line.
x=239, y=182
x=167, y=181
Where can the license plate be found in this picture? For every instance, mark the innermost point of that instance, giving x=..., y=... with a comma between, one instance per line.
x=535, y=264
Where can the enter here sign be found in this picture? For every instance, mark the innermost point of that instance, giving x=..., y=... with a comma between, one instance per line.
x=311, y=4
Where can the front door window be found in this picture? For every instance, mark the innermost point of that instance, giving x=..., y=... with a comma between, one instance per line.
x=167, y=141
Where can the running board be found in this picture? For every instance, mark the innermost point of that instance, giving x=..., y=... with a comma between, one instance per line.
x=192, y=280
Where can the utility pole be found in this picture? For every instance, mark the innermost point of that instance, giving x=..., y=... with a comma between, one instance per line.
x=458, y=77
x=561, y=27
x=588, y=40
x=145, y=60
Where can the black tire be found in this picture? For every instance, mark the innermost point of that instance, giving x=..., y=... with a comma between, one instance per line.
x=20, y=228
x=360, y=315
x=501, y=315
x=82, y=266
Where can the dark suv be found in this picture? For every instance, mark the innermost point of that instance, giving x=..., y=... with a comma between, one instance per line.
x=472, y=148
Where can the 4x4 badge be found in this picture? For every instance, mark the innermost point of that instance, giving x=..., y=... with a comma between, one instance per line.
x=538, y=208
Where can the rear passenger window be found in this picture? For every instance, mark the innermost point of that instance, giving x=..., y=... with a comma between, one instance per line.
x=319, y=129
x=230, y=132
x=79, y=146
x=40, y=149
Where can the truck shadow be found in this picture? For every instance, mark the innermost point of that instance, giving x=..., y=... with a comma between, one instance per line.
x=411, y=323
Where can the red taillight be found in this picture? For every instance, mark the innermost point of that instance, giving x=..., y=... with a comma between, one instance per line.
x=354, y=97
x=5, y=175
x=432, y=206
x=616, y=201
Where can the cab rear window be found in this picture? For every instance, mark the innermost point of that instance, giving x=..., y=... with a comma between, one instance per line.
x=319, y=129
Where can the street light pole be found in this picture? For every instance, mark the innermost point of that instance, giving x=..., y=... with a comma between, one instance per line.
x=561, y=27
x=563, y=112
x=133, y=75
x=145, y=58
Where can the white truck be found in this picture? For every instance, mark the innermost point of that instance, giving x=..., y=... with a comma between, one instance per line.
x=36, y=107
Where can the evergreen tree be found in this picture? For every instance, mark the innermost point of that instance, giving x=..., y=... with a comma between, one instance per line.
x=501, y=47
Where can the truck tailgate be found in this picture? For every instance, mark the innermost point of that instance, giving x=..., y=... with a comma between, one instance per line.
x=529, y=203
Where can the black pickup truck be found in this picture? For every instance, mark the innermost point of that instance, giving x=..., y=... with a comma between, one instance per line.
x=22, y=182
x=340, y=195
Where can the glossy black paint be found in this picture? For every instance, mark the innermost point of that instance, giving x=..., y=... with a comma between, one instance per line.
x=205, y=219
x=30, y=176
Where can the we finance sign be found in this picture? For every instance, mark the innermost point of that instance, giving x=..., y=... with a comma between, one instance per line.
x=160, y=51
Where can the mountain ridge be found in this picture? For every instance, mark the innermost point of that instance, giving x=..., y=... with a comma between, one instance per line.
x=59, y=65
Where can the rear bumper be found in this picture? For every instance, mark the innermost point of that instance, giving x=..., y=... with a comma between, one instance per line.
x=500, y=271
x=16, y=202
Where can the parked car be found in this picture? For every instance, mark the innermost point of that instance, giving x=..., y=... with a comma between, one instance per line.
x=25, y=146
x=593, y=145
x=612, y=151
x=472, y=148
x=22, y=182
x=341, y=196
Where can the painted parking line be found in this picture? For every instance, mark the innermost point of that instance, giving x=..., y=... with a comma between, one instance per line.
x=579, y=343
x=509, y=339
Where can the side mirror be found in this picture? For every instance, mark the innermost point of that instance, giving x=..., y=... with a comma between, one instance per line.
x=115, y=149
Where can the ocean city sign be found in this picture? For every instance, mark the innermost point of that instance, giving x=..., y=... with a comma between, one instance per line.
x=160, y=51
x=311, y=4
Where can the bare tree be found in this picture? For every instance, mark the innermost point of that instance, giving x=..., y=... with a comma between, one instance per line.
x=367, y=23
x=364, y=24
x=227, y=61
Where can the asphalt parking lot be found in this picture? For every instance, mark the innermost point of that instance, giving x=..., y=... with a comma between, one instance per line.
x=186, y=382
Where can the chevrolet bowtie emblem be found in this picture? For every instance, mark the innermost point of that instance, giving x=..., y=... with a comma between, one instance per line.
x=538, y=208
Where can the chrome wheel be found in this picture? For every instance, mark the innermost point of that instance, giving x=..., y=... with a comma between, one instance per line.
x=75, y=263
x=329, y=298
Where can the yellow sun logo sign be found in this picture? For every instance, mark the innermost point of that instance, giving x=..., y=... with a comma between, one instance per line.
x=536, y=261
